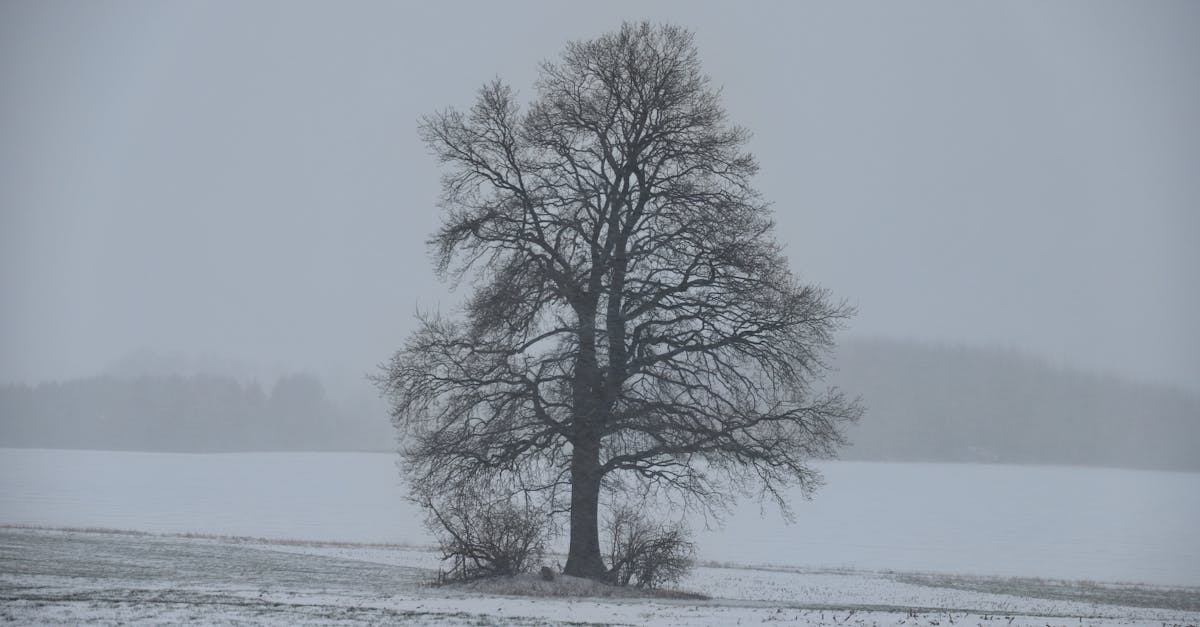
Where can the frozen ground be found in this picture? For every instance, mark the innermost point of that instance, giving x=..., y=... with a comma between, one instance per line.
x=78, y=577
x=881, y=544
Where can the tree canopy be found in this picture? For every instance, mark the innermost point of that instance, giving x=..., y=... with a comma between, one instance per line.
x=632, y=324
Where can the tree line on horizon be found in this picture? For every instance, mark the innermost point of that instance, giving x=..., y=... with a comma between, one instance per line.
x=183, y=413
x=924, y=403
x=961, y=404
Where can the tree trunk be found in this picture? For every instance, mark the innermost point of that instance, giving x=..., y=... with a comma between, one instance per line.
x=583, y=557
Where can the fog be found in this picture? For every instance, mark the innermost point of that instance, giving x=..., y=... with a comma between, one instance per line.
x=243, y=183
x=214, y=219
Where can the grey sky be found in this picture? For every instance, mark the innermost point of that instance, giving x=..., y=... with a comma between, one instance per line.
x=245, y=179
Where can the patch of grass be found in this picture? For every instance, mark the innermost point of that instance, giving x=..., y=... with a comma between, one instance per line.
x=232, y=539
x=104, y=530
x=1127, y=595
x=567, y=586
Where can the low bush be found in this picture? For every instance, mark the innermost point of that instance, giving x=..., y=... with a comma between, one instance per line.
x=644, y=553
x=485, y=538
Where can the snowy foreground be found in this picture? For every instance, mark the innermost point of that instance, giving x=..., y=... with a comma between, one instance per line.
x=78, y=577
x=914, y=544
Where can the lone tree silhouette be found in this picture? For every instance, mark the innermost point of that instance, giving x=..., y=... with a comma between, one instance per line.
x=632, y=325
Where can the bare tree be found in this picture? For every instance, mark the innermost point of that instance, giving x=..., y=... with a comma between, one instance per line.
x=632, y=322
x=644, y=553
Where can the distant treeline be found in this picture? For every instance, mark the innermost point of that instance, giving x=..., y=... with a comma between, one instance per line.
x=940, y=403
x=924, y=403
x=194, y=413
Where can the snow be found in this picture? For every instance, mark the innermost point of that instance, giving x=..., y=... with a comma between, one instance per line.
x=1054, y=522
x=71, y=577
x=865, y=551
x=353, y=497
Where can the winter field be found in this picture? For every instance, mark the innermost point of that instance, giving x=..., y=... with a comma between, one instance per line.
x=914, y=544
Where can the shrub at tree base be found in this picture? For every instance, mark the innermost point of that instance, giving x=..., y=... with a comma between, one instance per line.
x=487, y=538
x=646, y=554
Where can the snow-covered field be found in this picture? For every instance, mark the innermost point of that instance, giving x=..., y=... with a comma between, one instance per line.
x=881, y=544
x=73, y=577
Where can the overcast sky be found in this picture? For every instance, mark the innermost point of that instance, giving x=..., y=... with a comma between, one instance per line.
x=245, y=180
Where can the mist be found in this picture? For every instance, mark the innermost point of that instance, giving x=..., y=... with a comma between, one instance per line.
x=246, y=182
x=925, y=402
x=931, y=354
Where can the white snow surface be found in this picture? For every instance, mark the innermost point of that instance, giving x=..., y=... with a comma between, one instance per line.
x=865, y=551
x=73, y=577
x=1020, y=521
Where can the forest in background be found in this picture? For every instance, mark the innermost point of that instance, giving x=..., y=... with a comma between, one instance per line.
x=924, y=403
x=187, y=413
x=946, y=403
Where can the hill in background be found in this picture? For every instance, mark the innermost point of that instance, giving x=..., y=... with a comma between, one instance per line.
x=924, y=403
x=941, y=403
x=190, y=413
